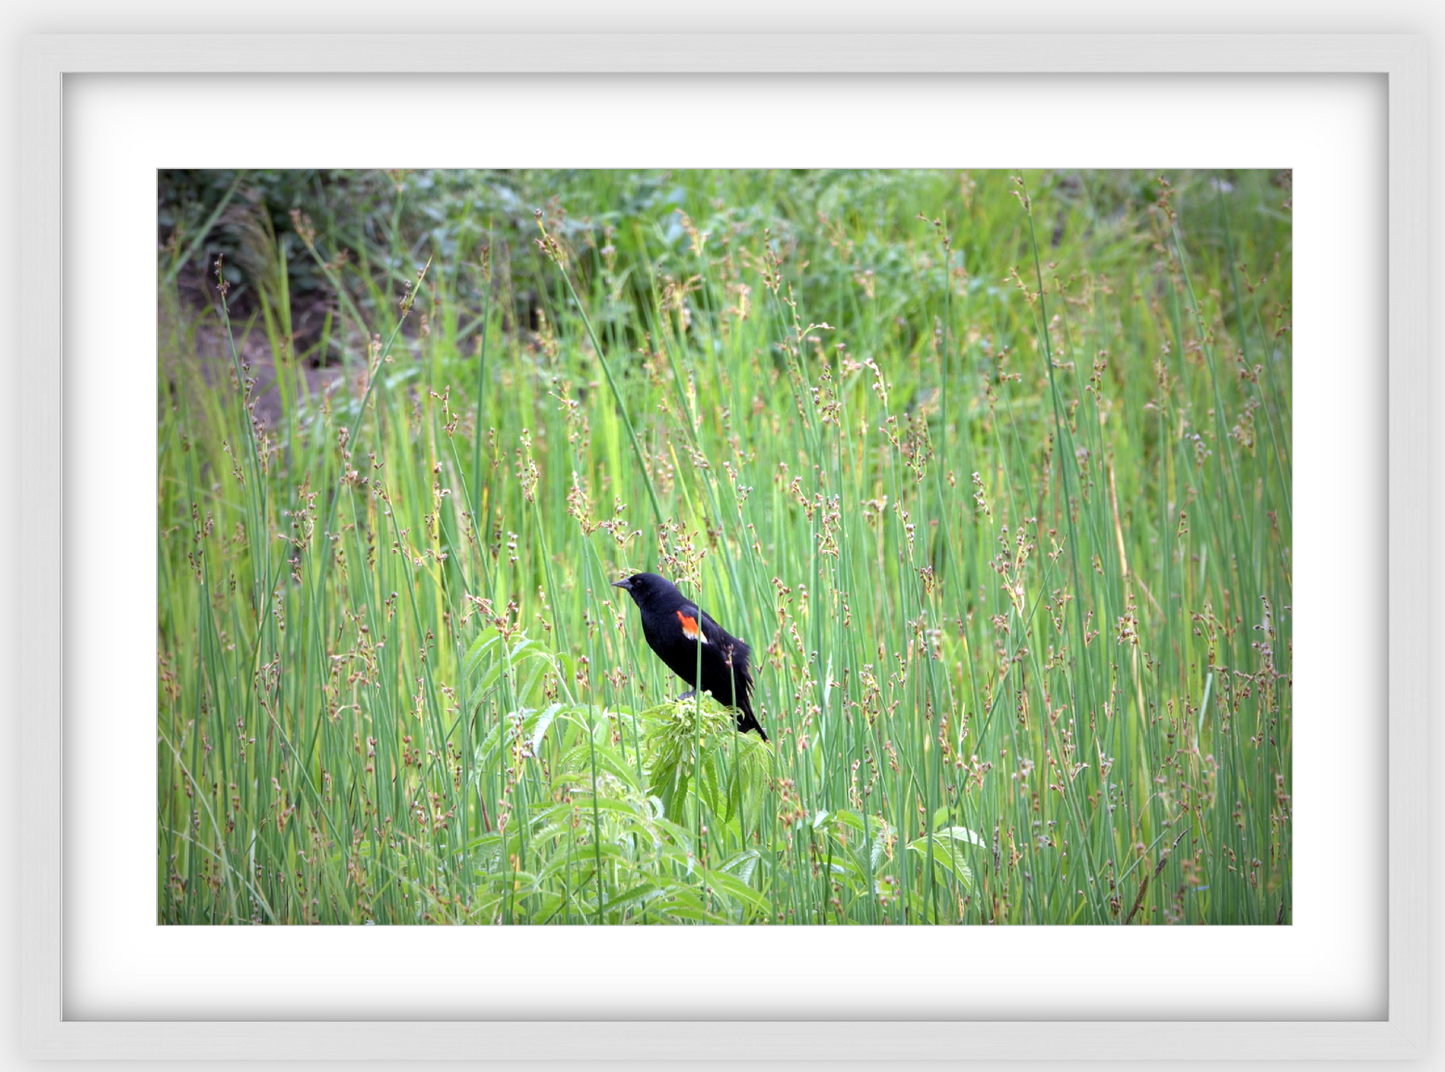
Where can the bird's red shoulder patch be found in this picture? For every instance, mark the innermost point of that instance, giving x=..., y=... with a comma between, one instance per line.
x=690, y=627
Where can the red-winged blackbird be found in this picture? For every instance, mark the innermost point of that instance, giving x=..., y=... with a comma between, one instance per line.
x=673, y=626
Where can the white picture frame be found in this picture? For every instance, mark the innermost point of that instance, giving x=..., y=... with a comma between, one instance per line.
x=49, y=60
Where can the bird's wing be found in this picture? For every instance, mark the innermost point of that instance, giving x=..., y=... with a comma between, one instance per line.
x=721, y=639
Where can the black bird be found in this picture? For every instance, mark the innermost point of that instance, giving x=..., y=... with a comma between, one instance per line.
x=673, y=626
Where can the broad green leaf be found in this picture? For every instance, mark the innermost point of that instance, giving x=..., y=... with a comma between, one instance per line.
x=544, y=720
x=736, y=888
x=637, y=895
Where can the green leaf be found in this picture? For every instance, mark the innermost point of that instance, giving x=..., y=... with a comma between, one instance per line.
x=543, y=722
x=947, y=852
x=736, y=888
x=637, y=895
x=961, y=833
x=744, y=864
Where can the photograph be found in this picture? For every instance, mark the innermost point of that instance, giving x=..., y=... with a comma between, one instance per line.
x=733, y=546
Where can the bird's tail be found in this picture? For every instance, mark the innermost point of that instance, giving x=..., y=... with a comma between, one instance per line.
x=747, y=720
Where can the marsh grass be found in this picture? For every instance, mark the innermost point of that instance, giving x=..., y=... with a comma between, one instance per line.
x=992, y=472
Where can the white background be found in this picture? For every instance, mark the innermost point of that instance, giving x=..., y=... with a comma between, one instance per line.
x=1348, y=853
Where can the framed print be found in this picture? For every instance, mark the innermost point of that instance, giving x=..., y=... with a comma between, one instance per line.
x=145, y=851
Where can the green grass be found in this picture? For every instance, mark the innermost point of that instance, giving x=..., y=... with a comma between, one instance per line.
x=992, y=472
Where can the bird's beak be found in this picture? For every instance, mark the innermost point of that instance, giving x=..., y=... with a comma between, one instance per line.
x=626, y=582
